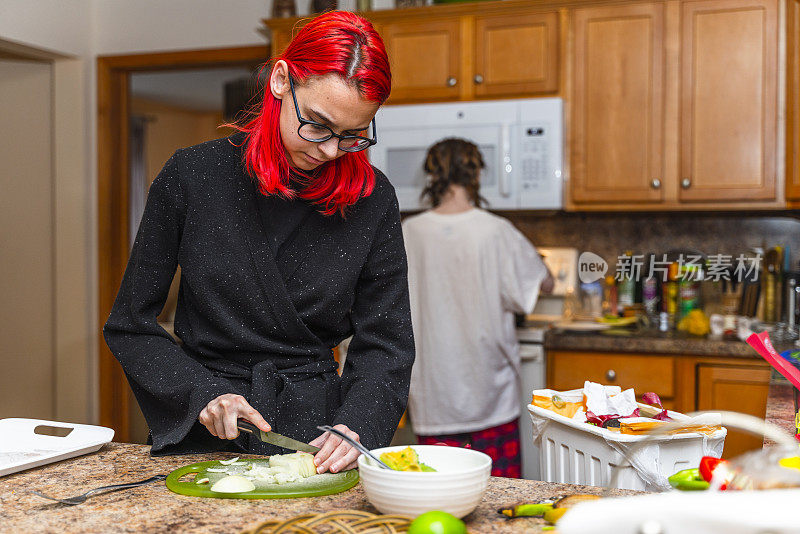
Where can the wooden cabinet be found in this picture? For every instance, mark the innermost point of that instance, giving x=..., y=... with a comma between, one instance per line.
x=729, y=81
x=674, y=105
x=463, y=52
x=793, y=103
x=734, y=388
x=425, y=59
x=569, y=370
x=515, y=54
x=617, y=104
x=685, y=383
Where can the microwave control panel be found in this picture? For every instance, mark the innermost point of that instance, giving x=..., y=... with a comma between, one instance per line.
x=534, y=158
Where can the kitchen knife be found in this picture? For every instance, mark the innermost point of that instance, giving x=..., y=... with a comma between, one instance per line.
x=274, y=438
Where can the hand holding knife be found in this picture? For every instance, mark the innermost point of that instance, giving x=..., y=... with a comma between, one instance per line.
x=274, y=438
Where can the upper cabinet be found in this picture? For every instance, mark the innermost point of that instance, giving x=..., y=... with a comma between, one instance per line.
x=463, y=52
x=617, y=126
x=674, y=105
x=515, y=54
x=729, y=98
x=425, y=59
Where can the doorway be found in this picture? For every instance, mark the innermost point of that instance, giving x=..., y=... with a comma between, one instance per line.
x=148, y=106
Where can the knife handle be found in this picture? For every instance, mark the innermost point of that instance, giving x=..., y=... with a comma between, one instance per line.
x=247, y=426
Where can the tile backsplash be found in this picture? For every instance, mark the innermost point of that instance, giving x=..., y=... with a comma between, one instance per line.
x=609, y=235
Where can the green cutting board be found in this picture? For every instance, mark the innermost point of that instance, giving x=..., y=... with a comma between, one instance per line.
x=313, y=486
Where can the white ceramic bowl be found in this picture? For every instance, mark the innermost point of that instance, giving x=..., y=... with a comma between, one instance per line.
x=456, y=487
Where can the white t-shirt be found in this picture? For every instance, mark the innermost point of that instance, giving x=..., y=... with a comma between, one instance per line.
x=468, y=273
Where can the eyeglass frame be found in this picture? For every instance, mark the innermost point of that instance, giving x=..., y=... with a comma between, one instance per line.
x=340, y=137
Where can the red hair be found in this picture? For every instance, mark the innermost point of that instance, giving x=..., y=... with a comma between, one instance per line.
x=337, y=42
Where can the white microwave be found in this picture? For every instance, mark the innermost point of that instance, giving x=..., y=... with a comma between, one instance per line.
x=521, y=142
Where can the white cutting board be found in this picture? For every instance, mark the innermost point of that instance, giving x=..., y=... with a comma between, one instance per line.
x=21, y=447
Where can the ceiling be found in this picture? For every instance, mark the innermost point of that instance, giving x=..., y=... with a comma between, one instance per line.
x=199, y=90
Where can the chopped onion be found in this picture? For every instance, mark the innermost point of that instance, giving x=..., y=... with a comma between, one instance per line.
x=217, y=470
x=299, y=463
x=202, y=481
x=229, y=462
x=233, y=484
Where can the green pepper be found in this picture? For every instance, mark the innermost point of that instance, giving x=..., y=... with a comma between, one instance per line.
x=688, y=480
x=526, y=510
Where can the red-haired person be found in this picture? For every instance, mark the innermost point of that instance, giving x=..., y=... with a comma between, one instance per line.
x=469, y=272
x=288, y=242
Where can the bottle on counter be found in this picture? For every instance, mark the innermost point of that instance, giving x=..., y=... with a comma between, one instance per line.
x=651, y=291
x=625, y=287
x=610, y=296
x=670, y=296
x=689, y=281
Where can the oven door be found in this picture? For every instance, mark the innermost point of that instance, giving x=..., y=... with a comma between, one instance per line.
x=400, y=154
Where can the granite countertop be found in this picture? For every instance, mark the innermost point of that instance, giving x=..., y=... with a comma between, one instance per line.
x=153, y=508
x=647, y=342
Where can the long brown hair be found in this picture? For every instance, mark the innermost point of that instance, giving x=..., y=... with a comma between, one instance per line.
x=453, y=161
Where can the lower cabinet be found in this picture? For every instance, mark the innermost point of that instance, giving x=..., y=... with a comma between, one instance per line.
x=684, y=383
x=737, y=389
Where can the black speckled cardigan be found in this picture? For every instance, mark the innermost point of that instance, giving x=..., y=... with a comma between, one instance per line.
x=258, y=324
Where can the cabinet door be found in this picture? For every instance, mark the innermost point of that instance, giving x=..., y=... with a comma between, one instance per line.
x=569, y=370
x=729, y=63
x=793, y=100
x=425, y=59
x=617, y=105
x=516, y=54
x=738, y=389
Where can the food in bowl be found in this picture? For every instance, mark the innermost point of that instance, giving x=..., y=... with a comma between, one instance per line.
x=456, y=487
x=405, y=460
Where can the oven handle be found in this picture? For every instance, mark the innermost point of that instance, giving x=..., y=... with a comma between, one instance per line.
x=505, y=160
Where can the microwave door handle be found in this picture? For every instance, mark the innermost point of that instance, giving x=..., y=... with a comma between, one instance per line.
x=505, y=160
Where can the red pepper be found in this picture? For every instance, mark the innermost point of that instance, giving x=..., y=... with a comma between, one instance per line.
x=707, y=466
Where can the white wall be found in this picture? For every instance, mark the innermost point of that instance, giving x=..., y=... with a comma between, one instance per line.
x=62, y=26
x=126, y=26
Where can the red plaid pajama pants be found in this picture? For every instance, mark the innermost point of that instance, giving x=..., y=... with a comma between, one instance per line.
x=501, y=443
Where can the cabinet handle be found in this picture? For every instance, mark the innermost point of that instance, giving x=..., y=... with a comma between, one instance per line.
x=451, y=81
x=686, y=183
x=656, y=183
x=611, y=375
x=478, y=79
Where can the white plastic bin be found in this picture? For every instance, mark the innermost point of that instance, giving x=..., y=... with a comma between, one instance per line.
x=575, y=452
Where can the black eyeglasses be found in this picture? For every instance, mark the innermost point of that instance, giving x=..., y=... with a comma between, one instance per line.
x=317, y=133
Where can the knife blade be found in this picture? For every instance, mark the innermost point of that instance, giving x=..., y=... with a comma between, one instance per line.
x=274, y=438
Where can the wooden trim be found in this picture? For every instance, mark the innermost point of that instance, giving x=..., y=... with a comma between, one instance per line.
x=793, y=102
x=188, y=59
x=676, y=206
x=467, y=59
x=112, y=194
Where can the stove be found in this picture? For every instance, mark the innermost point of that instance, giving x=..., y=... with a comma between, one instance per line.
x=549, y=309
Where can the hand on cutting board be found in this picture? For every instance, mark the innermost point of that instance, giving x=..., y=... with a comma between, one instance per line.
x=220, y=415
x=335, y=454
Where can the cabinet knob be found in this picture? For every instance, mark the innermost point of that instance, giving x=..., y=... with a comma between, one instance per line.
x=656, y=183
x=451, y=81
x=611, y=375
x=686, y=183
x=478, y=78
